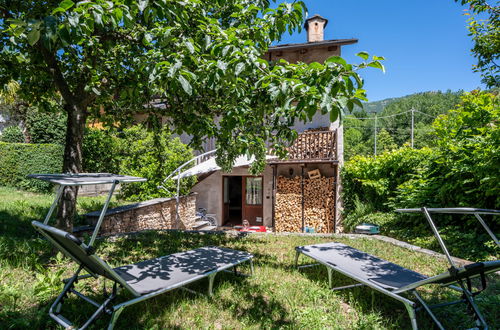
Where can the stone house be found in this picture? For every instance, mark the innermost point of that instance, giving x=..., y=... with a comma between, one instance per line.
x=237, y=195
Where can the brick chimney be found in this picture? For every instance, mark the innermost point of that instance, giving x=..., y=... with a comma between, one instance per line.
x=315, y=27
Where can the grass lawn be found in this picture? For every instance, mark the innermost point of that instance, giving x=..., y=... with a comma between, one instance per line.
x=277, y=296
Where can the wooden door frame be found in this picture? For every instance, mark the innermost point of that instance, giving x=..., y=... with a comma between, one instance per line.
x=243, y=196
x=243, y=185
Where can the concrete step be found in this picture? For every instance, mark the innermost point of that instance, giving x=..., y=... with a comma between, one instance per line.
x=200, y=224
x=207, y=228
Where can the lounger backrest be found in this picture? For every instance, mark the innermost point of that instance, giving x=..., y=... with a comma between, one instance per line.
x=75, y=249
x=468, y=271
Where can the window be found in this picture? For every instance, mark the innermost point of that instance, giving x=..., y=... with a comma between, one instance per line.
x=253, y=193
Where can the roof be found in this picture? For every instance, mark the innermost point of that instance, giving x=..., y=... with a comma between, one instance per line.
x=316, y=44
x=210, y=166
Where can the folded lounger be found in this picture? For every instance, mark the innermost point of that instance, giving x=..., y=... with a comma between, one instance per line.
x=143, y=280
x=394, y=280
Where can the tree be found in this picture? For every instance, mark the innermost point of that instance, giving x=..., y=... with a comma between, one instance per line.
x=486, y=37
x=469, y=152
x=201, y=59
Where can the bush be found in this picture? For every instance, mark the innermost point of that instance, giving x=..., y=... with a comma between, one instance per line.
x=17, y=160
x=153, y=156
x=46, y=127
x=462, y=170
x=375, y=181
x=12, y=134
x=102, y=151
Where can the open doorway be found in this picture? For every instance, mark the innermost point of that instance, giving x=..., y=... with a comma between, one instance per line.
x=242, y=200
x=233, y=199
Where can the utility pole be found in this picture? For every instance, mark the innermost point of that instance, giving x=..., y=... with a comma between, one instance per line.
x=412, y=125
x=375, y=136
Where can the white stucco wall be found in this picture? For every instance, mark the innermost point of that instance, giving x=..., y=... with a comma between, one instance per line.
x=210, y=194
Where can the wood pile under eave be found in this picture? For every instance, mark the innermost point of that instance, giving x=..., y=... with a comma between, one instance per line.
x=319, y=204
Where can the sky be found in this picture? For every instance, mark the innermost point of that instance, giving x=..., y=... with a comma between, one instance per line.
x=425, y=43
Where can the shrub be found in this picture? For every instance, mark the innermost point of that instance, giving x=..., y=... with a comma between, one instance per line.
x=101, y=151
x=463, y=169
x=153, y=156
x=46, y=127
x=375, y=181
x=12, y=134
x=17, y=160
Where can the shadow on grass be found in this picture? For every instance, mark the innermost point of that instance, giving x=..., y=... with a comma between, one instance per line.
x=365, y=300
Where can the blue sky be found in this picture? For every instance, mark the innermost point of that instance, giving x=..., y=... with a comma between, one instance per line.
x=425, y=43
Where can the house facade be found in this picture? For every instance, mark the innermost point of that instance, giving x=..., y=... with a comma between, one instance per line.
x=299, y=193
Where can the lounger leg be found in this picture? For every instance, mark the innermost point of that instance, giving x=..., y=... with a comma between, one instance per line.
x=297, y=254
x=428, y=310
x=251, y=267
x=211, y=278
x=114, y=317
x=330, y=277
x=472, y=304
x=413, y=316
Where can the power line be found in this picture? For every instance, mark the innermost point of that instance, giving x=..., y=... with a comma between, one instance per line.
x=388, y=116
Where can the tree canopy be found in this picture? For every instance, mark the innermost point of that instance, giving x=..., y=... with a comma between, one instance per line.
x=486, y=36
x=201, y=59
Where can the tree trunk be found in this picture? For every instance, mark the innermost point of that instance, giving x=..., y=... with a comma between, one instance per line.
x=72, y=163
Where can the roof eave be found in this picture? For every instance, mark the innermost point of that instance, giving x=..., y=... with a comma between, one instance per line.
x=317, y=44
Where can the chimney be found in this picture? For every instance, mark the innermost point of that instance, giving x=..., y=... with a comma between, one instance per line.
x=315, y=27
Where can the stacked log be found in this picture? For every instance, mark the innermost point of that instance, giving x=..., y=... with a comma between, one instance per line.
x=319, y=204
x=288, y=205
x=314, y=145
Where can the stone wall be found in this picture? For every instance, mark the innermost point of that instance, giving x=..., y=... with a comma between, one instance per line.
x=157, y=213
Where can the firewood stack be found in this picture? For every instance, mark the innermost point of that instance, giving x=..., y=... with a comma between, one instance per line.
x=288, y=207
x=314, y=145
x=319, y=204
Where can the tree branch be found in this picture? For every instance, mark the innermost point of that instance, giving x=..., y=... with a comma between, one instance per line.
x=56, y=73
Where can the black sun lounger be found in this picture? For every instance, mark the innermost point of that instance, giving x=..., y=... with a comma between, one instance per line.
x=143, y=280
x=396, y=281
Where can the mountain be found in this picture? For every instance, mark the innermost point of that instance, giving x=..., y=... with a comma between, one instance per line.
x=379, y=106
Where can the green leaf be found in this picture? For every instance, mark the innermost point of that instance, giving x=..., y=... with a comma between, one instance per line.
x=185, y=85
x=363, y=55
x=189, y=46
x=336, y=59
x=66, y=4
x=334, y=114
x=16, y=22
x=239, y=67
x=142, y=4
x=377, y=65
x=33, y=36
x=96, y=91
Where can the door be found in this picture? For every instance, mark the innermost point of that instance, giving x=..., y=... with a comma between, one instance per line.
x=252, y=200
x=232, y=200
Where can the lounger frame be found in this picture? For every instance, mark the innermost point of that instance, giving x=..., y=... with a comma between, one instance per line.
x=454, y=273
x=64, y=180
x=118, y=282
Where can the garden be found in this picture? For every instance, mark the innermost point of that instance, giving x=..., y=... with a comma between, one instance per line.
x=277, y=296
x=110, y=86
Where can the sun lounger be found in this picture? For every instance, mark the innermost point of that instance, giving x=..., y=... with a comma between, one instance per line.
x=144, y=280
x=398, y=282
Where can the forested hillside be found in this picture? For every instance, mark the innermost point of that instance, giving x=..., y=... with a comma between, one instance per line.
x=393, y=122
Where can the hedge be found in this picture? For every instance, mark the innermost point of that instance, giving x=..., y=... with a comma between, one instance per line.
x=17, y=160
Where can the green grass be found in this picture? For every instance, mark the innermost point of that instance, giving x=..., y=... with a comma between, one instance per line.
x=277, y=296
